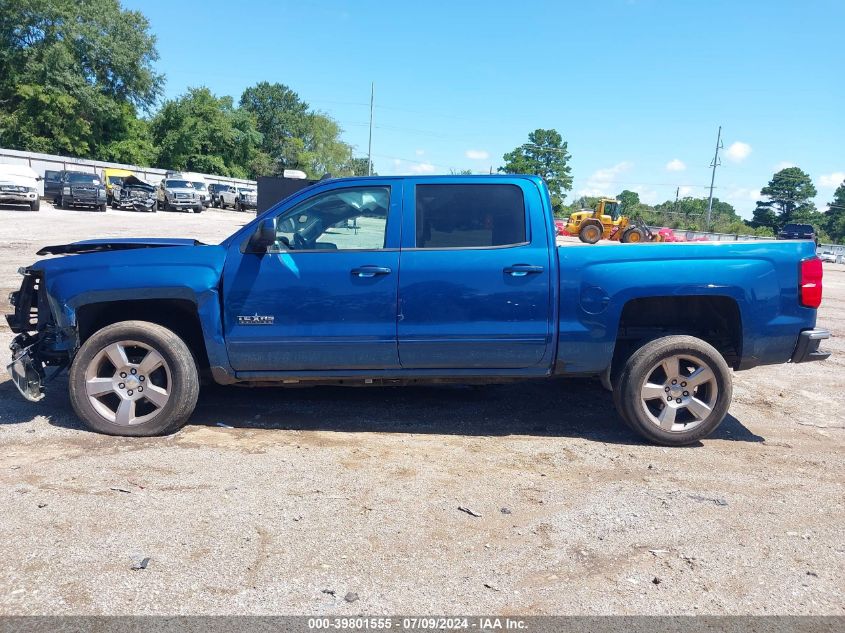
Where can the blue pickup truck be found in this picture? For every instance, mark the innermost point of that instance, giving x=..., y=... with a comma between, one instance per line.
x=406, y=280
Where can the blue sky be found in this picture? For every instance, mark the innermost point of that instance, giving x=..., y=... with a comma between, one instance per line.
x=637, y=87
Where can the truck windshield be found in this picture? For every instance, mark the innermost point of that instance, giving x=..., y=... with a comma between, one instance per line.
x=178, y=184
x=199, y=185
x=87, y=179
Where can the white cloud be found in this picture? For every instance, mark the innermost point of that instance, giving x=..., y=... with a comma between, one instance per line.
x=784, y=164
x=675, y=164
x=831, y=181
x=743, y=199
x=602, y=182
x=405, y=167
x=684, y=191
x=419, y=152
x=738, y=151
x=647, y=196
x=422, y=168
x=477, y=154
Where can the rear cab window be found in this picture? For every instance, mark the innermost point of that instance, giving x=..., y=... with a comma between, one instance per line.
x=469, y=216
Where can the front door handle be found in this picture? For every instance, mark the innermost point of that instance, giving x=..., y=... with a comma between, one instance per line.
x=370, y=271
x=521, y=270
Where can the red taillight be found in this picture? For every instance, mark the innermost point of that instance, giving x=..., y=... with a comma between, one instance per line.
x=810, y=283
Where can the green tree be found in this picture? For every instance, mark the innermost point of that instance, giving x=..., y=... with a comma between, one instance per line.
x=630, y=201
x=834, y=217
x=73, y=75
x=690, y=214
x=294, y=136
x=282, y=119
x=360, y=167
x=790, y=195
x=134, y=145
x=546, y=155
x=322, y=152
x=201, y=132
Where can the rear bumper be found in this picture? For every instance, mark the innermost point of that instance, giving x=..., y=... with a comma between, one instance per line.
x=807, y=348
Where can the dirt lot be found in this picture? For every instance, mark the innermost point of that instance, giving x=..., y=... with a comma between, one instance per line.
x=315, y=494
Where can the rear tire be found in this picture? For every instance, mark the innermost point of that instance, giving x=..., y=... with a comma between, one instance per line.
x=674, y=390
x=102, y=208
x=590, y=233
x=117, y=410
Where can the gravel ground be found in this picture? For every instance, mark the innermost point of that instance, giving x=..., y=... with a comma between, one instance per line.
x=317, y=493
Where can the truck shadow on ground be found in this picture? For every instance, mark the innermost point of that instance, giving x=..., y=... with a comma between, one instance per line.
x=557, y=408
x=16, y=207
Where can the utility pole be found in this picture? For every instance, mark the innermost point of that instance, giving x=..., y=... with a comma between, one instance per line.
x=677, y=193
x=714, y=165
x=370, y=146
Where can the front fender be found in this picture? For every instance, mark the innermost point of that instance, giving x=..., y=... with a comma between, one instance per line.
x=189, y=273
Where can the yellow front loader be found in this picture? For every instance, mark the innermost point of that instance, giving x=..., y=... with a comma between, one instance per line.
x=606, y=222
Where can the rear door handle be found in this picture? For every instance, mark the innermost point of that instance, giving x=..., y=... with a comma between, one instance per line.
x=370, y=271
x=521, y=270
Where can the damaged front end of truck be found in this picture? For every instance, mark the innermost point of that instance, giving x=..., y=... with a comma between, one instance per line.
x=40, y=343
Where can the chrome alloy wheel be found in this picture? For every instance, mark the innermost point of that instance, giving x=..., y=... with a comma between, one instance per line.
x=128, y=383
x=679, y=393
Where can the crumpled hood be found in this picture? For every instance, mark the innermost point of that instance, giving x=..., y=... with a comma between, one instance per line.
x=115, y=244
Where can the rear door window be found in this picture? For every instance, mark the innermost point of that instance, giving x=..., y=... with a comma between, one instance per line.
x=469, y=216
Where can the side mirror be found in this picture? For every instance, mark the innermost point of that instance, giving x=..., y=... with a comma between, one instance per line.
x=262, y=238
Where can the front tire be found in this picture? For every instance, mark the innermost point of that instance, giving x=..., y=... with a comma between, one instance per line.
x=134, y=378
x=633, y=236
x=674, y=390
x=35, y=205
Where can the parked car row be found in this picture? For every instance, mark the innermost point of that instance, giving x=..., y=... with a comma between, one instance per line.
x=120, y=189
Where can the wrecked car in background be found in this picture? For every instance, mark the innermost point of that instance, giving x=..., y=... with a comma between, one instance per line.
x=133, y=193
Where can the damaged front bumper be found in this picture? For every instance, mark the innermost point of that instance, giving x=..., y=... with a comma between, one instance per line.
x=27, y=373
x=39, y=342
